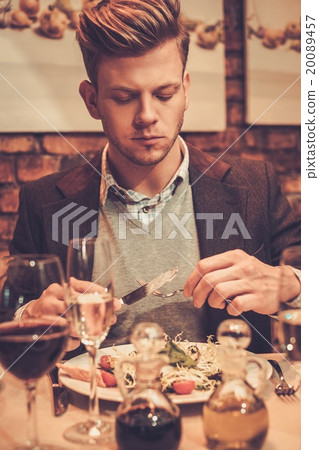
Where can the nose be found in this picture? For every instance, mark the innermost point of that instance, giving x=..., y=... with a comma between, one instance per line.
x=146, y=113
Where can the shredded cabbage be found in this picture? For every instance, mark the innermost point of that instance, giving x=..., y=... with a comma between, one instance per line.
x=206, y=366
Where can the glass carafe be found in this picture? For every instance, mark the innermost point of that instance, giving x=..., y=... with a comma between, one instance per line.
x=146, y=419
x=235, y=416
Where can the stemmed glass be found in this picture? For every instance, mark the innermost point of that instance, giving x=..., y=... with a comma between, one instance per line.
x=30, y=347
x=289, y=316
x=90, y=308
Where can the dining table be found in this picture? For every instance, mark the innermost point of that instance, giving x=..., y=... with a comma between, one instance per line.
x=284, y=412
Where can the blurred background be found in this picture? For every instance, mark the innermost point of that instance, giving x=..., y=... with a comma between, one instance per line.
x=26, y=156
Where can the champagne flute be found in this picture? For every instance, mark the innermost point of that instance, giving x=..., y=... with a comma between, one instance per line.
x=290, y=313
x=90, y=308
x=30, y=347
x=289, y=332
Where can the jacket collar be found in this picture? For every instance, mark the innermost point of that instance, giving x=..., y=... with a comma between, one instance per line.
x=81, y=177
x=89, y=174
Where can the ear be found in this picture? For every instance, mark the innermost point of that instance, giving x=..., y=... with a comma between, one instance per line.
x=88, y=93
x=186, y=85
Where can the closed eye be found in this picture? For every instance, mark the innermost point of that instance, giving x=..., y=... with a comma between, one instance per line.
x=164, y=98
x=122, y=100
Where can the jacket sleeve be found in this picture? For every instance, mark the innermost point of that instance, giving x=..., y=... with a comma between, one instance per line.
x=285, y=226
x=27, y=235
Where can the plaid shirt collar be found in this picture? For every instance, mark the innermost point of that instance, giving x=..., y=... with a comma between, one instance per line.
x=130, y=197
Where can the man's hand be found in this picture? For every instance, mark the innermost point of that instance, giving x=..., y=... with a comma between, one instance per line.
x=79, y=286
x=52, y=303
x=247, y=282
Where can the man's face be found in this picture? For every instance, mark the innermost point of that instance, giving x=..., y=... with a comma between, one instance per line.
x=141, y=102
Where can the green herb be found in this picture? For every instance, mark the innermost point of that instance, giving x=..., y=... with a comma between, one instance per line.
x=177, y=356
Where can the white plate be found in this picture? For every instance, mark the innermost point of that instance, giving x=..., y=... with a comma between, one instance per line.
x=114, y=394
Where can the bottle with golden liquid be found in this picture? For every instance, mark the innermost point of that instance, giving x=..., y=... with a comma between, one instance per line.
x=235, y=417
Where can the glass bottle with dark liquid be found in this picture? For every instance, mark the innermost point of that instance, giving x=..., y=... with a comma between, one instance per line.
x=235, y=417
x=147, y=419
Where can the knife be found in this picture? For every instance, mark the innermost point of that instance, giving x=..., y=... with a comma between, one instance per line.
x=60, y=395
x=149, y=287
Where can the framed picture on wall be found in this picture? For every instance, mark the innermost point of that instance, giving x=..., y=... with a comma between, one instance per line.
x=273, y=33
x=41, y=68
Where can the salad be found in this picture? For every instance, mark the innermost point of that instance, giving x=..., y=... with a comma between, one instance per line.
x=191, y=366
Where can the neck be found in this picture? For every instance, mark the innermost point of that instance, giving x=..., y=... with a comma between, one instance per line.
x=148, y=180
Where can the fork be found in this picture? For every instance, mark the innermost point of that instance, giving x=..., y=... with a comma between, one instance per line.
x=158, y=293
x=282, y=388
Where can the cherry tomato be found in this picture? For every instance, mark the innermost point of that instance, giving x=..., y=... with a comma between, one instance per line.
x=184, y=387
x=105, y=362
x=109, y=379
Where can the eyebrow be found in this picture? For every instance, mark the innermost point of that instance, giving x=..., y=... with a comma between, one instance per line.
x=132, y=91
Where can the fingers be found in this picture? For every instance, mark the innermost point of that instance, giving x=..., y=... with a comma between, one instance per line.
x=209, y=265
x=47, y=305
x=116, y=304
x=210, y=286
x=241, y=304
x=85, y=286
x=249, y=283
x=55, y=290
x=114, y=319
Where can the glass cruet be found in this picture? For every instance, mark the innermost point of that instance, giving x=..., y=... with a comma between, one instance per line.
x=147, y=418
x=235, y=416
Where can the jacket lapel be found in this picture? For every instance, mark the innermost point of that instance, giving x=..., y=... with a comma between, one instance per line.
x=223, y=205
x=76, y=214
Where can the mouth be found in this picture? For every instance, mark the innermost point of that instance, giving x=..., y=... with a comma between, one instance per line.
x=148, y=139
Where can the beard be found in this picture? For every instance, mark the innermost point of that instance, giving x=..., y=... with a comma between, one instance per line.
x=150, y=156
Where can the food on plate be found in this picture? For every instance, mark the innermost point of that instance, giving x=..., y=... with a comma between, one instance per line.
x=105, y=362
x=184, y=387
x=108, y=378
x=191, y=366
x=81, y=374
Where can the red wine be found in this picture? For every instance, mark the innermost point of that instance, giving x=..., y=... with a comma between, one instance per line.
x=26, y=353
x=148, y=429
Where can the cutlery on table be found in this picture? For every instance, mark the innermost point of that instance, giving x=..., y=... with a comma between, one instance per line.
x=60, y=395
x=282, y=388
x=149, y=287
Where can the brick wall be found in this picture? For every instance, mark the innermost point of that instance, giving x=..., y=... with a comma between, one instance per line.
x=25, y=157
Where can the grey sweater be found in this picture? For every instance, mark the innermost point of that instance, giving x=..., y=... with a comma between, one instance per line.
x=145, y=252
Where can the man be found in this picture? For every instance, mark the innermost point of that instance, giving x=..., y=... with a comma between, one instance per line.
x=160, y=203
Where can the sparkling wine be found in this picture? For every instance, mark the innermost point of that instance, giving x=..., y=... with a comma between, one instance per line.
x=30, y=349
x=91, y=316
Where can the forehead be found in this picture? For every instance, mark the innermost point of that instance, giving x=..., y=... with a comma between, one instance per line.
x=160, y=65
